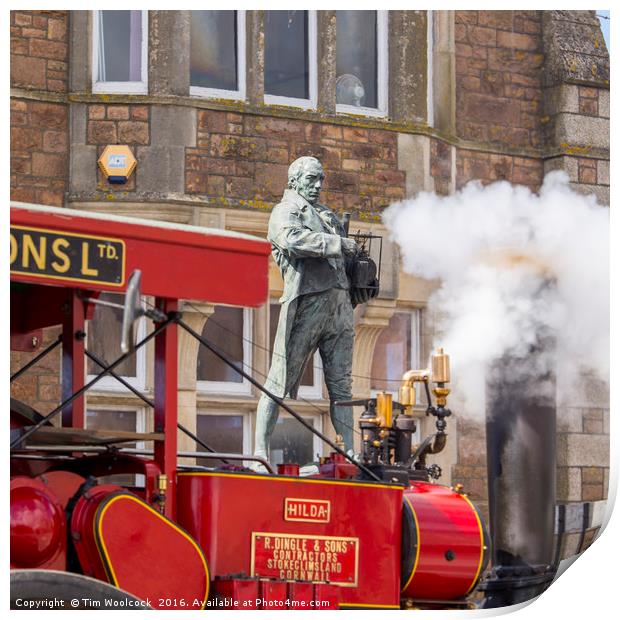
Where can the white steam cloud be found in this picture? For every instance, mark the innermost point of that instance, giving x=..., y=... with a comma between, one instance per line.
x=491, y=248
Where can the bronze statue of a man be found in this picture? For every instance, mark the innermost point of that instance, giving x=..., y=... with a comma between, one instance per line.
x=310, y=247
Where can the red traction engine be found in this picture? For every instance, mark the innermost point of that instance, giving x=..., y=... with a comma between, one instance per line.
x=374, y=531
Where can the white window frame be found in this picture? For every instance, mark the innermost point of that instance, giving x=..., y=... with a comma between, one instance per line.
x=140, y=428
x=222, y=93
x=137, y=88
x=245, y=426
x=382, y=74
x=244, y=388
x=109, y=383
x=317, y=442
x=305, y=104
x=139, y=411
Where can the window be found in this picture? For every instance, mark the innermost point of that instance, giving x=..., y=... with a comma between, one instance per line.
x=104, y=341
x=222, y=433
x=396, y=351
x=230, y=330
x=361, y=62
x=291, y=442
x=120, y=40
x=312, y=379
x=217, y=54
x=290, y=58
x=119, y=419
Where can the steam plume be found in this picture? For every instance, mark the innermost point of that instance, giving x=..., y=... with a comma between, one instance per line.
x=492, y=248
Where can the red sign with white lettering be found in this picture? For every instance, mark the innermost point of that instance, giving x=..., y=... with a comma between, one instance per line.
x=310, y=510
x=329, y=559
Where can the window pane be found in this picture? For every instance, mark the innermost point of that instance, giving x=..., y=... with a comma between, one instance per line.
x=222, y=433
x=224, y=329
x=291, y=442
x=286, y=54
x=104, y=338
x=108, y=420
x=356, y=58
x=213, y=54
x=120, y=46
x=392, y=357
x=274, y=314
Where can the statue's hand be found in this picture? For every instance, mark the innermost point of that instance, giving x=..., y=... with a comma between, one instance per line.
x=349, y=247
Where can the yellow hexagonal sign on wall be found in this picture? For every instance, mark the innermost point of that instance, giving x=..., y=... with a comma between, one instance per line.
x=117, y=162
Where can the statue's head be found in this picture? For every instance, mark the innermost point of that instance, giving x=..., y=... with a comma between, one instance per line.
x=305, y=176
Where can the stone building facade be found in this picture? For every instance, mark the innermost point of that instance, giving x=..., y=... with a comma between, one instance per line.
x=460, y=95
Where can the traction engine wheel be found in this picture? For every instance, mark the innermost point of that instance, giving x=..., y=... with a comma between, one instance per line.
x=54, y=589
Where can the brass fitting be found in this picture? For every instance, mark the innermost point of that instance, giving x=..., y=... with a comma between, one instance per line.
x=441, y=394
x=162, y=487
x=406, y=397
x=440, y=363
x=416, y=376
x=384, y=409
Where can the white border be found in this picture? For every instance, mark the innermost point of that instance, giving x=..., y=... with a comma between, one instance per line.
x=306, y=104
x=244, y=388
x=382, y=73
x=221, y=93
x=136, y=88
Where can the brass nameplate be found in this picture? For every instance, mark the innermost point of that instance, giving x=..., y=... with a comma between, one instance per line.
x=327, y=559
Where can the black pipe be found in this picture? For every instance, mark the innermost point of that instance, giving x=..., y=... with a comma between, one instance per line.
x=521, y=469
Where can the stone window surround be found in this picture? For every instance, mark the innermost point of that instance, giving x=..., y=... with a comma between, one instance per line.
x=408, y=43
x=137, y=88
x=239, y=94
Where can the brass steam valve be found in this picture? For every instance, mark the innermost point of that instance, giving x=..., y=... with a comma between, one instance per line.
x=439, y=374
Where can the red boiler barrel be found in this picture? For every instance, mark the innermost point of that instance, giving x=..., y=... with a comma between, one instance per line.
x=445, y=543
